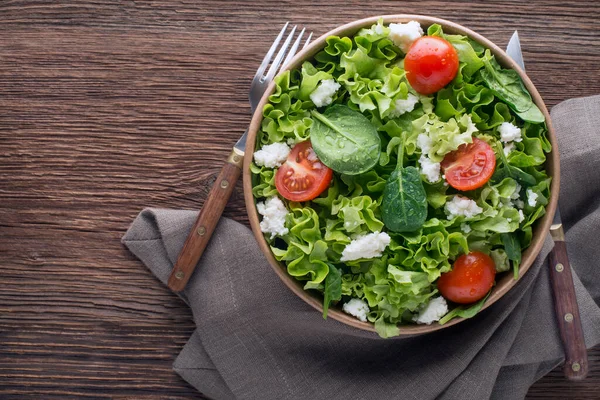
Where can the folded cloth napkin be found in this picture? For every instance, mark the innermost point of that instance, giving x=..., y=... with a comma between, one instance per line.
x=256, y=340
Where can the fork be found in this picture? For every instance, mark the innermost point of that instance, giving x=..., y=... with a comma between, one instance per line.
x=223, y=186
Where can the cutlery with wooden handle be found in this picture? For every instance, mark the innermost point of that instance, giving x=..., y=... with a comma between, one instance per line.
x=563, y=290
x=221, y=190
x=565, y=305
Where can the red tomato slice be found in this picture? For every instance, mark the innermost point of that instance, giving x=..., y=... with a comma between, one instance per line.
x=302, y=177
x=431, y=63
x=472, y=276
x=470, y=166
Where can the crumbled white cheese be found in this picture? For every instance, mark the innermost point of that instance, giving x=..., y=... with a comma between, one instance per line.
x=433, y=311
x=291, y=141
x=424, y=142
x=460, y=205
x=402, y=106
x=521, y=216
x=509, y=132
x=273, y=212
x=357, y=308
x=519, y=203
x=323, y=94
x=508, y=147
x=368, y=246
x=430, y=169
x=466, y=228
x=531, y=197
x=272, y=155
x=403, y=35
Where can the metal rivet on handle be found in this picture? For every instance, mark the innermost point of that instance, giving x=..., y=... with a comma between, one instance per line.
x=236, y=158
x=201, y=230
x=576, y=366
x=559, y=267
x=224, y=183
x=179, y=275
x=568, y=317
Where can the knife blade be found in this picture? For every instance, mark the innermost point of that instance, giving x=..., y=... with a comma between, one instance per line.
x=513, y=49
x=561, y=278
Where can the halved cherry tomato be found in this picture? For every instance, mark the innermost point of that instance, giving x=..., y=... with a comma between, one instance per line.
x=472, y=276
x=430, y=64
x=470, y=166
x=302, y=177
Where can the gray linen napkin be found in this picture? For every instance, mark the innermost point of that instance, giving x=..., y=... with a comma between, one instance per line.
x=256, y=340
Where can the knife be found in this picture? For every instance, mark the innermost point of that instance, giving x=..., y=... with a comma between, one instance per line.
x=561, y=278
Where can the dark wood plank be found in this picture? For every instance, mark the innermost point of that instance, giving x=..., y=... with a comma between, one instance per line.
x=108, y=107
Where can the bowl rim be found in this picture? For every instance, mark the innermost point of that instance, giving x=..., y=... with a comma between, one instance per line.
x=506, y=282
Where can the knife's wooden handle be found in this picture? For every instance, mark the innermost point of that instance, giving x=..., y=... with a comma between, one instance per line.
x=567, y=313
x=206, y=223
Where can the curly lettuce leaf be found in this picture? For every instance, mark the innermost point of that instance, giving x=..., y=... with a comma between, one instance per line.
x=444, y=136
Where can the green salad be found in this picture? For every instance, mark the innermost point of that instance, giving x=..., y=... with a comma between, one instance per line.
x=398, y=171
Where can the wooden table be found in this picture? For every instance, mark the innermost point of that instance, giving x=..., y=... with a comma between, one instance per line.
x=108, y=107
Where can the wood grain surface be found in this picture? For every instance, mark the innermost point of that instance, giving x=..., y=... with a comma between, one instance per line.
x=107, y=107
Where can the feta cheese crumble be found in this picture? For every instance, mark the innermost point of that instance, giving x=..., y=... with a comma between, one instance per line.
x=531, y=197
x=403, y=35
x=509, y=132
x=521, y=216
x=466, y=228
x=430, y=169
x=433, y=311
x=462, y=206
x=272, y=155
x=323, y=94
x=424, y=142
x=403, y=106
x=367, y=246
x=508, y=147
x=357, y=308
x=273, y=212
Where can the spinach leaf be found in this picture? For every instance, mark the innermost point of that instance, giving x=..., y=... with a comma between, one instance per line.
x=513, y=251
x=404, y=202
x=506, y=84
x=464, y=311
x=532, y=114
x=345, y=140
x=333, y=288
x=505, y=170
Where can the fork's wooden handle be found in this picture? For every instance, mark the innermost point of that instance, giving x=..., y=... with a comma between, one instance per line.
x=206, y=223
x=567, y=313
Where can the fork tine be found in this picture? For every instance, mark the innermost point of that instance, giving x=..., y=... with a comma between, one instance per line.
x=265, y=62
x=279, y=56
x=307, y=41
x=293, y=50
